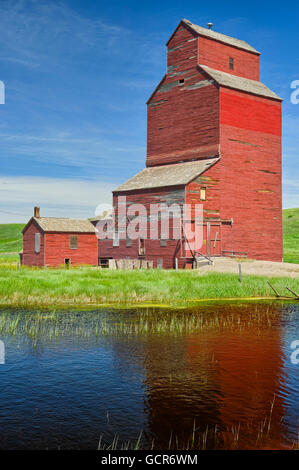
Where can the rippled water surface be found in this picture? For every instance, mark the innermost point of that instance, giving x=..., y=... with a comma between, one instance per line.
x=215, y=376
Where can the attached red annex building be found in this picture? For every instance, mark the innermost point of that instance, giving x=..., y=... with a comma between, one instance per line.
x=54, y=242
x=213, y=138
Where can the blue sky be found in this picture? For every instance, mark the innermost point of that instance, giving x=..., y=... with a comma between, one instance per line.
x=77, y=76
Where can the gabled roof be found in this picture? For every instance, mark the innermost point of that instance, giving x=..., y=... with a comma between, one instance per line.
x=240, y=83
x=55, y=224
x=211, y=34
x=177, y=174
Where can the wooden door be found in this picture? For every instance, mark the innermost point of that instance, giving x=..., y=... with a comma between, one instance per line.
x=214, y=239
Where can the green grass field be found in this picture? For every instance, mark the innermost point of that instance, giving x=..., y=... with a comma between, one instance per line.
x=10, y=238
x=291, y=235
x=31, y=286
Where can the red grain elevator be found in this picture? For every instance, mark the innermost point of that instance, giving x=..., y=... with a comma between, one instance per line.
x=214, y=138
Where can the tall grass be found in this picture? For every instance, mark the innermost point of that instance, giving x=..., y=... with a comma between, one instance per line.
x=93, y=286
x=131, y=323
x=240, y=436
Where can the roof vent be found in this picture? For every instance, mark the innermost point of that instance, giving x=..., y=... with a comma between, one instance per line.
x=210, y=25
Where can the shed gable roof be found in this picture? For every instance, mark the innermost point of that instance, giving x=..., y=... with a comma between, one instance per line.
x=211, y=34
x=240, y=83
x=177, y=174
x=64, y=225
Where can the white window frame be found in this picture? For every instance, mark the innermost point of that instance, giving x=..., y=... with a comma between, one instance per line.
x=37, y=242
x=116, y=239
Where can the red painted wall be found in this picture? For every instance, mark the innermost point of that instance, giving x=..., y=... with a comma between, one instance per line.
x=251, y=174
x=57, y=248
x=210, y=180
x=30, y=258
x=183, y=119
x=183, y=122
x=216, y=55
x=182, y=51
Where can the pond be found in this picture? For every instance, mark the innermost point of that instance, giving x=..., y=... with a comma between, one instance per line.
x=218, y=376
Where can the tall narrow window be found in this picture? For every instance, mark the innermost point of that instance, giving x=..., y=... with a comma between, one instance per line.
x=231, y=63
x=116, y=239
x=73, y=242
x=163, y=242
x=37, y=242
x=202, y=194
x=141, y=248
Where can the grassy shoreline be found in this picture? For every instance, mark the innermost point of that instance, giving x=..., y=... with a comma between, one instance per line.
x=101, y=288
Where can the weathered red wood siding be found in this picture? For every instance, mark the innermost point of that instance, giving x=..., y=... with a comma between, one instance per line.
x=57, y=248
x=216, y=55
x=183, y=119
x=30, y=258
x=251, y=174
x=210, y=180
x=153, y=250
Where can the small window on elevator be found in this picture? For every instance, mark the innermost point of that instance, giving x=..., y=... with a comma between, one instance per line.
x=203, y=194
x=74, y=242
x=231, y=63
x=37, y=242
x=141, y=247
x=116, y=239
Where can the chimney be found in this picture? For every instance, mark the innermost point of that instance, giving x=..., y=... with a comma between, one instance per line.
x=37, y=212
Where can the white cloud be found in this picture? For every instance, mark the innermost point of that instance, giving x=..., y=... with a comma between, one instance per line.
x=91, y=153
x=32, y=32
x=56, y=197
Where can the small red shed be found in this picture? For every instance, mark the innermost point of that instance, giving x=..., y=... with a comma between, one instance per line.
x=52, y=241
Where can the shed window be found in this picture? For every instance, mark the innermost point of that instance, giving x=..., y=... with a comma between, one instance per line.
x=181, y=81
x=141, y=248
x=73, y=242
x=128, y=242
x=202, y=194
x=37, y=242
x=163, y=242
x=116, y=239
x=231, y=63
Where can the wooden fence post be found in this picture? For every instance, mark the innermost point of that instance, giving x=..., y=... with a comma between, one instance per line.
x=240, y=272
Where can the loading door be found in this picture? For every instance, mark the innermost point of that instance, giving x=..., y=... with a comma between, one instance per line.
x=213, y=239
